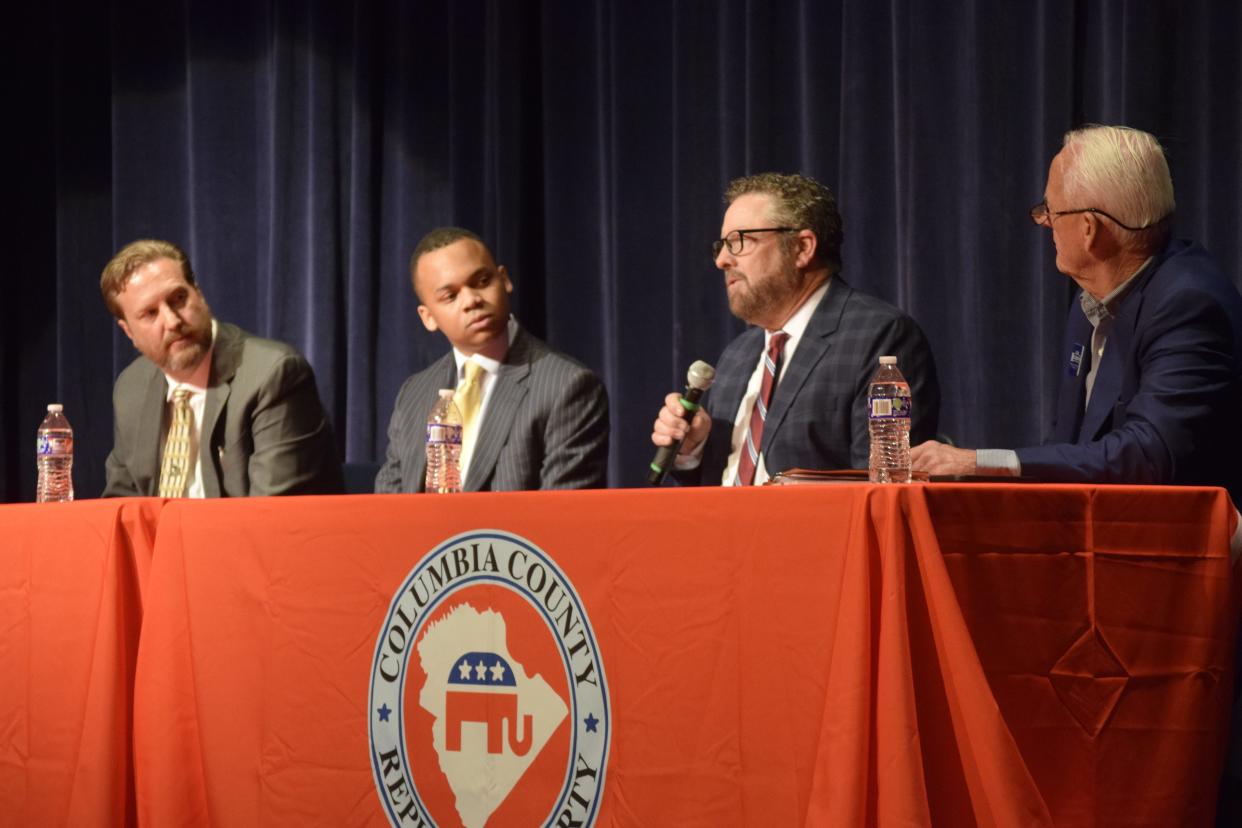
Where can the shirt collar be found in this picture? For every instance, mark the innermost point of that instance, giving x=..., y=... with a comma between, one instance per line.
x=491, y=366
x=796, y=324
x=1106, y=308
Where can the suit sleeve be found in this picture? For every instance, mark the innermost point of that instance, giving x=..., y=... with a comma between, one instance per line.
x=391, y=476
x=293, y=448
x=120, y=480
x=1186, y=379
x=901, y=338
x=576, y=436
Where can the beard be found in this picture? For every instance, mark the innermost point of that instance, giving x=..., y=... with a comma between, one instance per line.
x=194, y=345
x=759, y=299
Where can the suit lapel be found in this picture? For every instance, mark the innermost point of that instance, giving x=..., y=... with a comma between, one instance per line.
x=148, y=453
x=731, y=382
x=1073, y=380
x=225, y=357
x=502, y=407
x=811, y=348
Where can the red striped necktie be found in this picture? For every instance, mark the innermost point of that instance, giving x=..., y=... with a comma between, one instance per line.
x=759, y=414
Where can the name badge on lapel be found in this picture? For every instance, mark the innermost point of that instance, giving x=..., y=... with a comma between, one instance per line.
x=1075, y=359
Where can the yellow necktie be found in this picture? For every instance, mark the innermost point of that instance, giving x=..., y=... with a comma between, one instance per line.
x=177, y=465
x=469, y=399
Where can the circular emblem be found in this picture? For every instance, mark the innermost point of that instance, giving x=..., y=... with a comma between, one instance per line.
x=487, y=701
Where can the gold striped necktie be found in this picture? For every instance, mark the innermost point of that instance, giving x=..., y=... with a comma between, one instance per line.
x=469, y=399
x=176, y=466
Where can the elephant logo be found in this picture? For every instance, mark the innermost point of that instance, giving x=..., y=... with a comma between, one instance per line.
x=488, y=695
x=488, y=703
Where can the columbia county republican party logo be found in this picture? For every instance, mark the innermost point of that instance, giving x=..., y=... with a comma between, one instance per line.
x=487, y=703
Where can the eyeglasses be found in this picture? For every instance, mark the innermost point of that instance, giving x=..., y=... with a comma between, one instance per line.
x=1041, y=215
x=736, y=240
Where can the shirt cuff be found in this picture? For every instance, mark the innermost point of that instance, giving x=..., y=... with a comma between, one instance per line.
x=691, y=461
x=999, y=462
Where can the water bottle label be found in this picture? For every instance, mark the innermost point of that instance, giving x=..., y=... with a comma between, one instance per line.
x=49, y=446
x=888, y=408
x=444, y=433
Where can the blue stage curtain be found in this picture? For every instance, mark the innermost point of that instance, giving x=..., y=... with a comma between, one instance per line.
x=298, y=150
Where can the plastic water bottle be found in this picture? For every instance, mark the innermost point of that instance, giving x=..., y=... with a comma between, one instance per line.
x=444, y=445
x=54, y=457
x=888, y=414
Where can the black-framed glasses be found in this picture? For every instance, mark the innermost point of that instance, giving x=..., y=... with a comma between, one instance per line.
x=1041, y=215
x=736, y=240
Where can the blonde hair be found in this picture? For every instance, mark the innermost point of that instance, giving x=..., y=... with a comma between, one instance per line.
x=133, y=256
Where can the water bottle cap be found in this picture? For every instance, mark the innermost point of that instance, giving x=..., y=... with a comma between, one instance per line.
x=55, y=408
x=888, y=360
x=447, y=393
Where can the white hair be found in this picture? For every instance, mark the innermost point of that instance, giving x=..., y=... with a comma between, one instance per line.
x=1122, y=171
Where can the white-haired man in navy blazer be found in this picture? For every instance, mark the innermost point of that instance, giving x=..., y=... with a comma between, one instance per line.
x=1151, y=386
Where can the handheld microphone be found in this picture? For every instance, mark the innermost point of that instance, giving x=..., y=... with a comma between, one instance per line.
x=698, y=380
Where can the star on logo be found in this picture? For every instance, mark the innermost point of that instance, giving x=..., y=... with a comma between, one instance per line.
x=498, y=671
x=383, y=712
x=480, y=672
x=463, y=669
x=591, y=722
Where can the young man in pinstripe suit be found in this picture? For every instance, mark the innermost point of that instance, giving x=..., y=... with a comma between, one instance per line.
x=542, y=417
x=818, y=338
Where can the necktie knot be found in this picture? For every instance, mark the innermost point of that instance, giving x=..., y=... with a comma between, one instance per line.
x=777, y=344
x=473, y=371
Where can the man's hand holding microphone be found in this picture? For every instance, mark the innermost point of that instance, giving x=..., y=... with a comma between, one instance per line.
x=682, y=425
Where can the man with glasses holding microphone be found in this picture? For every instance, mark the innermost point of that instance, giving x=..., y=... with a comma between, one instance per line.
x=1151, y=388
x=791, y=391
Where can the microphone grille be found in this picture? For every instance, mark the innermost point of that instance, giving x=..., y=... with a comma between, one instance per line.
x=700, y=375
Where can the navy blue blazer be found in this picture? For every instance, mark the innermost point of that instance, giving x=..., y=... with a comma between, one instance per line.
x=1166, y=406
x=818, y=416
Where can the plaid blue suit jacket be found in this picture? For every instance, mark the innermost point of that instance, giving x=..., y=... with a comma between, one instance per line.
x=818, y=415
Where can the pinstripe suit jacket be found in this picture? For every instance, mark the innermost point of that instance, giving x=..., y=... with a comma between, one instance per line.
x=818, y=415
x=545, y=425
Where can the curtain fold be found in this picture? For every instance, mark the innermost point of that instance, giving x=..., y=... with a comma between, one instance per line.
x=298, y=151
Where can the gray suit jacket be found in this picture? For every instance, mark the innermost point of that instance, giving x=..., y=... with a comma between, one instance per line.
x=545, y=425
x=818, y=416
x=264, y=429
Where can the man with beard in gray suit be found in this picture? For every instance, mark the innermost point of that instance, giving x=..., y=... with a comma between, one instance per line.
x=542, y=418
x=243, y=410
x=813, y=347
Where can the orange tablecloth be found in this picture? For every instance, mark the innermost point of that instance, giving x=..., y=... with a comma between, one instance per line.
x=836, y=655
x=70, y=612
